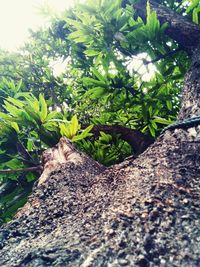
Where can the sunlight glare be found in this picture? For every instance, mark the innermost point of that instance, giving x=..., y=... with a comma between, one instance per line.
x=18, y=16
x=136, y=65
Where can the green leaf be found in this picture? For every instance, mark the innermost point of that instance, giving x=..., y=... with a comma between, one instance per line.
x=193, y=4
x=69, y=130
x=14, y=164
x=195, y=15
x=75, y=23
x=54, y=115
x=29, y=144
x=162, y=121
x=105, y=137
x=18, y=87
x=91, y=81
x=30, y=177
x=30, y=116
x=91, y=52
x=99, y=75
x=153, y=25
x=152, y=130
x=154, y=125
x=74, y=126
x=15, y=102
x=95, y=92
x=15, y=126
x=5, y=117
x=85, y=133
x=43, y=108
x=169, y=104
x=13, y=110
x=74, y=35
x=63, y=130
x=148, y=12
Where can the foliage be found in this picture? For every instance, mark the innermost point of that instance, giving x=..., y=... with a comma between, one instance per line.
x=194, y=9
x=106, y=149
x=116, y=70
x=27, y=128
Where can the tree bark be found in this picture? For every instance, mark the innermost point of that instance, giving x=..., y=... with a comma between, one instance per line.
x=142, y=212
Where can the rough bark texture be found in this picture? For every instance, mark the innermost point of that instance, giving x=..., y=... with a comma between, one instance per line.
x=142, y=212
x=191, y=90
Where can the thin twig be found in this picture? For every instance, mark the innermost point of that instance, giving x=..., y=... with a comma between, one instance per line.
x=159, y=57
x=30, y=169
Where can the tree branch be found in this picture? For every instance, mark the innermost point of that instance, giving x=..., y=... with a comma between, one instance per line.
x=159, y=57
x=184, y=32
x=30, y=169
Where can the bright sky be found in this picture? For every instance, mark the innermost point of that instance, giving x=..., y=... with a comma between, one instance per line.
x=17, y=16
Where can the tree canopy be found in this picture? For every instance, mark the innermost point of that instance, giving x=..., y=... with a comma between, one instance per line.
x=120, y=85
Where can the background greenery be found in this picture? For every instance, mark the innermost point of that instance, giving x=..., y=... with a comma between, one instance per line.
x=117, y=70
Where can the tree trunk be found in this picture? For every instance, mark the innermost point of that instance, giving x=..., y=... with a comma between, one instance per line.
x=142, y=212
